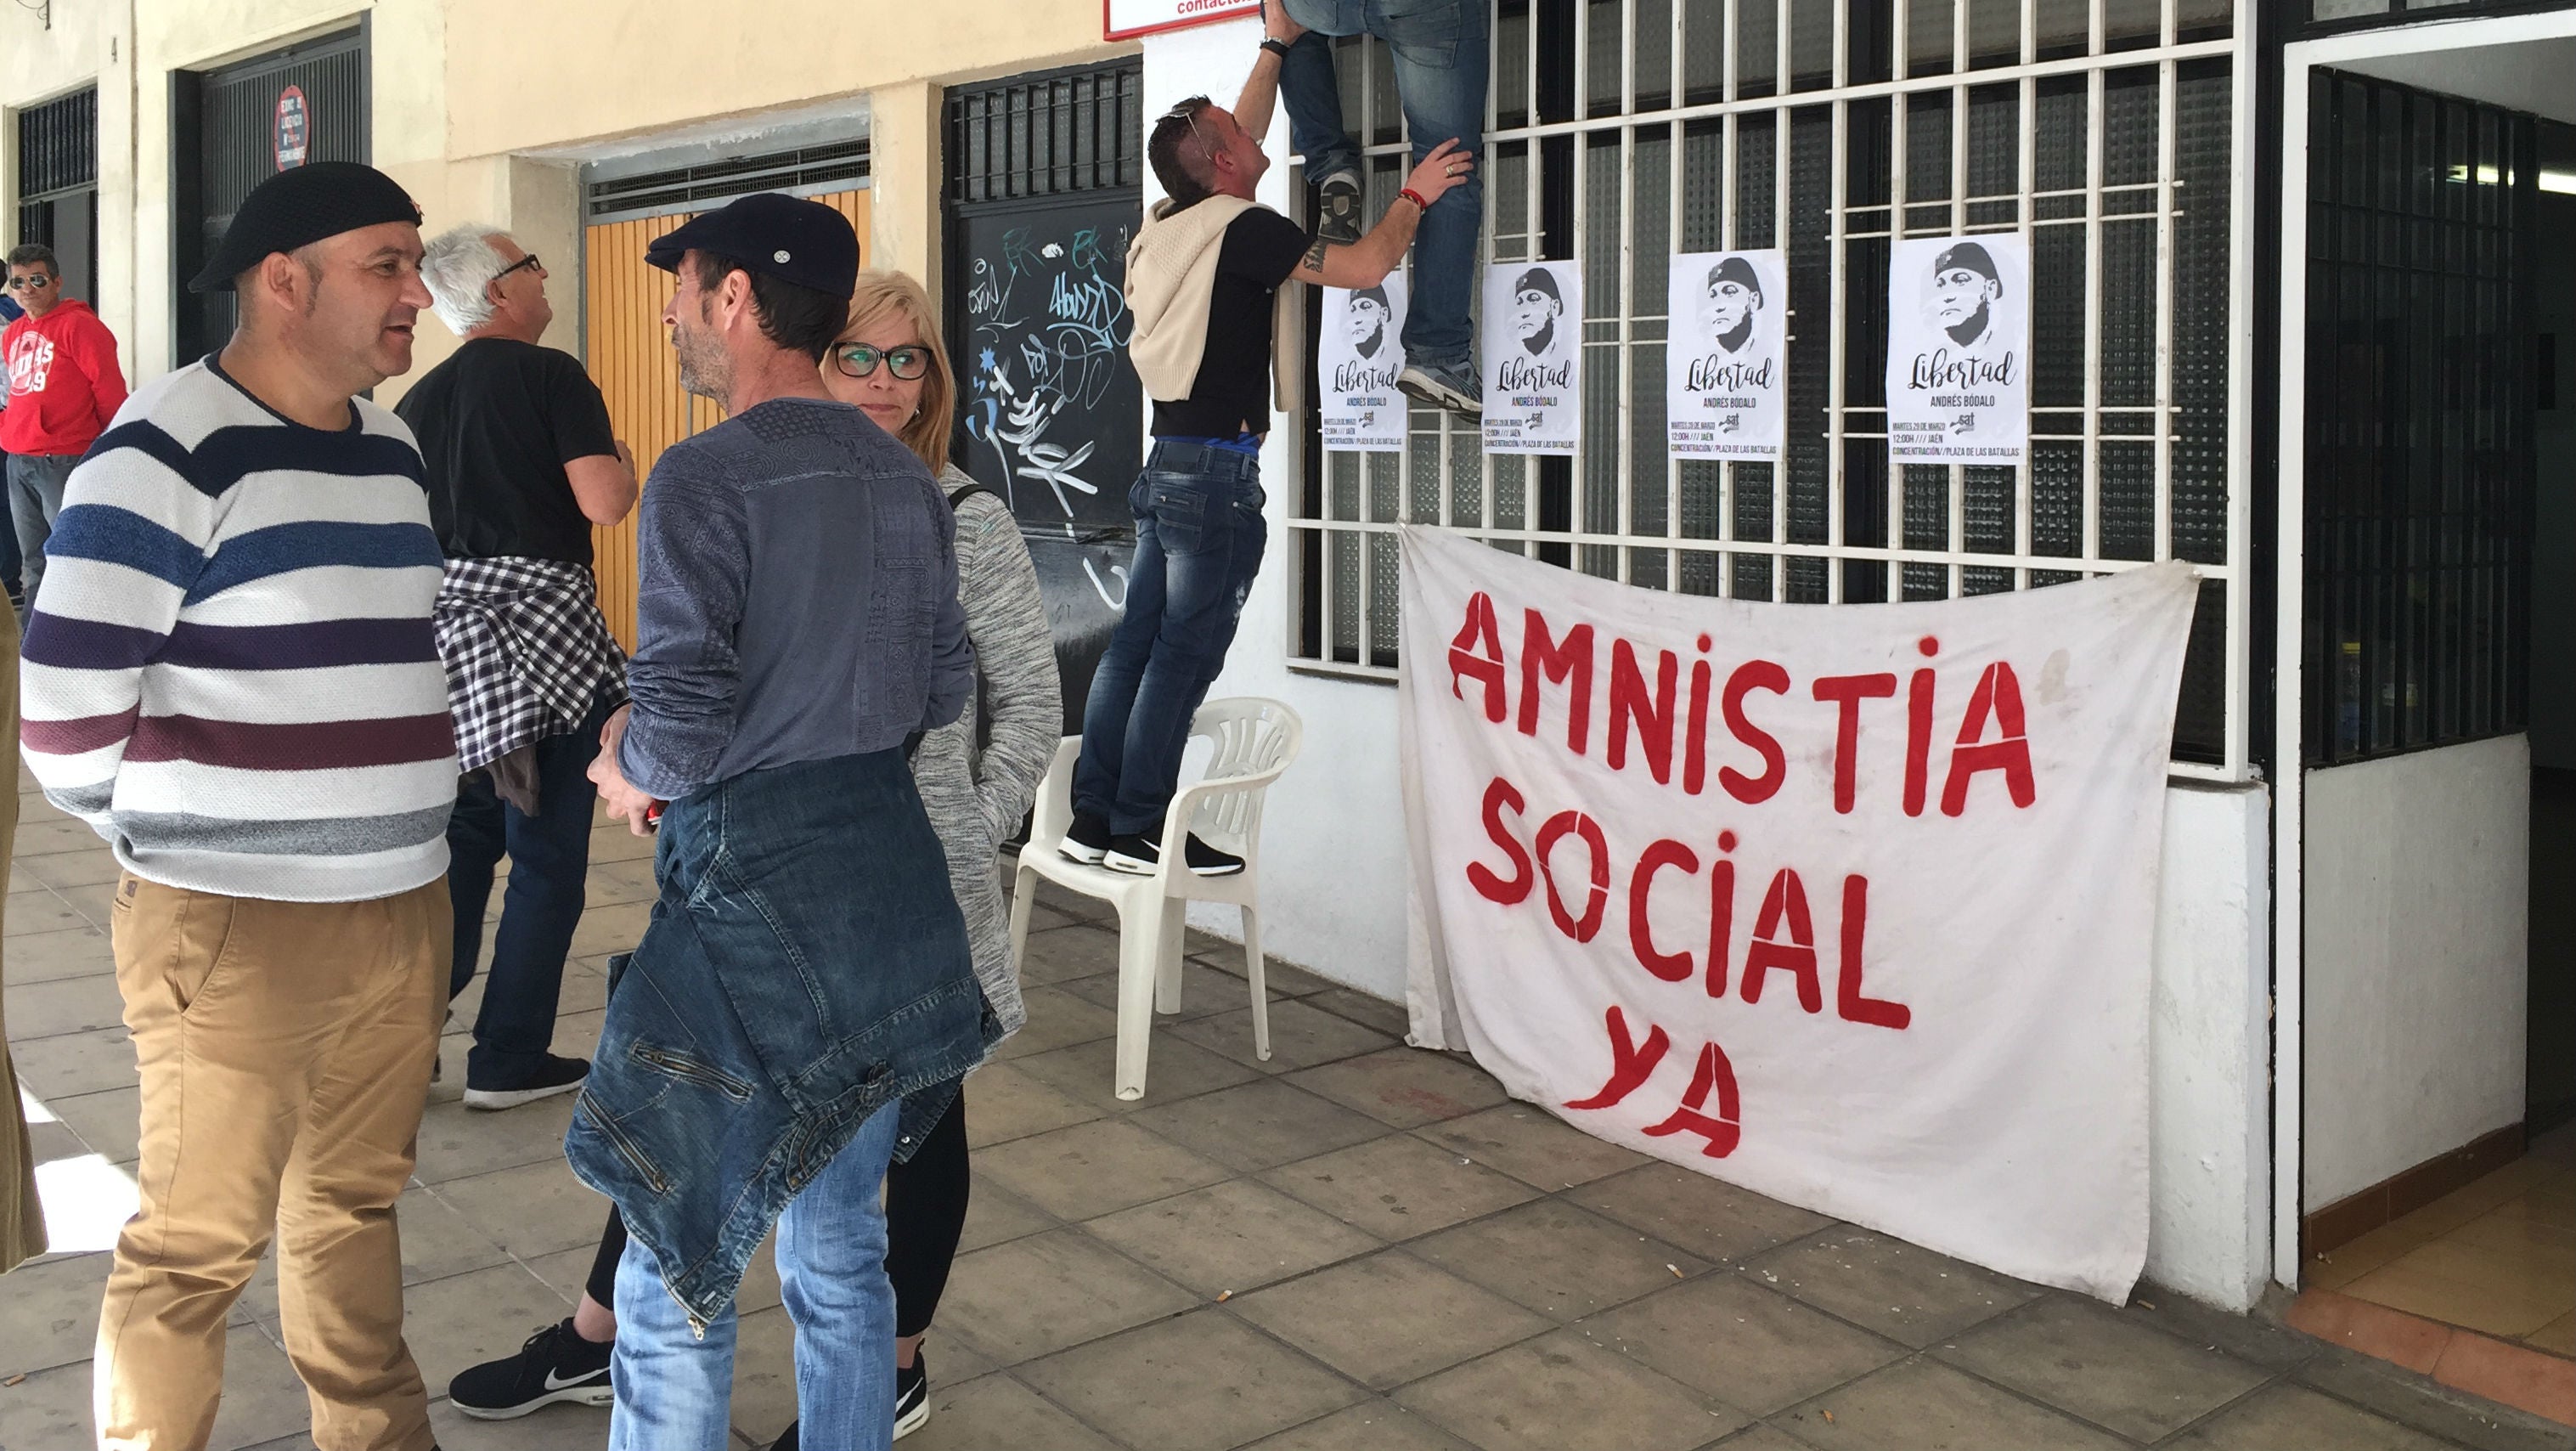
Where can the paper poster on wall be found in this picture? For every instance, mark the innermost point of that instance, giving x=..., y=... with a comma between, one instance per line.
x=1357, y=358
x=1723, y=368
x=1958, y=350
x=1533, y=347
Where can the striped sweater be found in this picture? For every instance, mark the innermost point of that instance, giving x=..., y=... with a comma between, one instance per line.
x=231, y=671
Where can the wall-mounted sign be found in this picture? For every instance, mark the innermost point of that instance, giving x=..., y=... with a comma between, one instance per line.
x=1958, y=350
x=1126, y=19
x=1723, y=370
x=293, y=134
x=1533, y=348
x=1357, y=358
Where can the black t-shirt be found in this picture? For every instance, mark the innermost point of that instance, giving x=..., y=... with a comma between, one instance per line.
x=497, y=422
x=1232, y=392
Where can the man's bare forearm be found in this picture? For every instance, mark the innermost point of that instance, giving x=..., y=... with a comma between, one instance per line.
x=1260, y=95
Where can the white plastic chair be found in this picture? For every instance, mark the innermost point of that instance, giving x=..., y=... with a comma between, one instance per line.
x=1254, y=741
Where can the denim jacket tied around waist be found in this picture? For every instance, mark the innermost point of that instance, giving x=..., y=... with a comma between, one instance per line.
x=805, y=966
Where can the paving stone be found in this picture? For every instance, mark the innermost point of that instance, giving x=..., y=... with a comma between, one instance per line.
x=764, y=1375
x=73, y=868
x=1300, y=1037
x=2290, y=1417
x=1039, y=1294
x=1376, y=1424
x=50, y=1410
x=1004, y=1102
x=1204, y=991
x=1533, y=1146
x=1201, y=1382
x=53, y=1314
x=1921, y=1405
x=110, y=1123
x=1070, y=903
x=1557, y=1259
x=96, y=903
x=457, y=1142
x=993, y=1412
x=1366, y=1009
x=1709, y=1217
x=467, y=1319
x=1759, y=1438
x=534, y=1209
x=31, y=913
x=75, y=1063
x=1057, y=1019
x=1173, y=1070
x=1563, y=1393
x=1744, y=1344
x=78, y=952
x=2427, y=1405
x=1404, y=1088
x=995, y=1215
x=1233, y=1236
x=618, y=843
x=1096, y=1168
x=2254, y=1337
x=615, y=928
x=1069, y=953
x=1260, y=1125
x=1281, y=979
x=1420, y=1318
x=559, y=1427
x=2086, y=1358
x=66, y=1005
x=37, y=839
x=1396, y=1188
x=1902, y=1291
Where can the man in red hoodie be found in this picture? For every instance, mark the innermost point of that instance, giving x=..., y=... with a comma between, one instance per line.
x=64, y=387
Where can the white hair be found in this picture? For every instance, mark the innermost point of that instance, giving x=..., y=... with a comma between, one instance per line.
x=459, y=265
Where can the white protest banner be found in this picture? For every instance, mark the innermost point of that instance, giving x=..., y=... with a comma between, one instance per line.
x=1958, y=350
x=1723, y=374
x=1357, y=358
x=1533, y=349
x=1848, y=906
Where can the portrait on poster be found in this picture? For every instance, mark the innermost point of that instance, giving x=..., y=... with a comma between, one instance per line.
x=1533, y=351
x=1723, y=366
x=1958, y=350
x=1357, y=357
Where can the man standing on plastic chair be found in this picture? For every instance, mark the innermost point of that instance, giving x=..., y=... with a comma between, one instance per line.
x=1205, y=278
x=1440, y=59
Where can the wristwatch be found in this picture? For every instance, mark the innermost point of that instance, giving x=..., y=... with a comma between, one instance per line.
x=1275, y=46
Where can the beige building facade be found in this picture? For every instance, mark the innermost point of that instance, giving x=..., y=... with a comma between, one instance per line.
x=490, y=109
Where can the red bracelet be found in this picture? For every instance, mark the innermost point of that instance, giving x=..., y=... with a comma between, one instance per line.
x=1415, y=197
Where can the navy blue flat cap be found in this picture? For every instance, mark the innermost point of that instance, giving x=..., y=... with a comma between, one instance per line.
x=789, y=238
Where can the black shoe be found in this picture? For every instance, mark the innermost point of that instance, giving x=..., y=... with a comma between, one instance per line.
x=786, y=1439
x=1141, y=855
x=1337, y=208
x=1087, y=840
x=555, y=1365
x=558, y=1075
x=911, y=1396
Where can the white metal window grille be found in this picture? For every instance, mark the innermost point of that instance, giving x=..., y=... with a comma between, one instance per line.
x=2108, y=132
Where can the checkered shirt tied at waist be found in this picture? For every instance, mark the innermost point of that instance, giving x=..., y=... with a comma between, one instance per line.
x=526, y=651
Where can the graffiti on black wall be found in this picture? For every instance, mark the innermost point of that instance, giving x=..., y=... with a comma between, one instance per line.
x=1049, y=400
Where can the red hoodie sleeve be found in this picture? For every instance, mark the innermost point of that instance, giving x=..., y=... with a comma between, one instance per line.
x=95, y=350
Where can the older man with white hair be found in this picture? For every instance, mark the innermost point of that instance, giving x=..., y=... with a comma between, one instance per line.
x=521, y=463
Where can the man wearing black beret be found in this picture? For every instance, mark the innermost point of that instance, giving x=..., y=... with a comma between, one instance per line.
x=231, y=675
x=803, y=1002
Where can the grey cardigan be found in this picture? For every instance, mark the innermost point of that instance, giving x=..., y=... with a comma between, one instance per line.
x=976, y=797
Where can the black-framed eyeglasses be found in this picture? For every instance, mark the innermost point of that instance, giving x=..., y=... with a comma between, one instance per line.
x=857, y=360
x=30, y=284
x=528, y=263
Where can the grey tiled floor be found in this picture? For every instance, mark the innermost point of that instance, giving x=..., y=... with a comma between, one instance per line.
x=1353, y=1245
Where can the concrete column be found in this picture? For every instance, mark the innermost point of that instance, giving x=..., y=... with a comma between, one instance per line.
x=905, y=174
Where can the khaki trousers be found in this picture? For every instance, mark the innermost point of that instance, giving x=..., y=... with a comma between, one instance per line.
x=285, y=1050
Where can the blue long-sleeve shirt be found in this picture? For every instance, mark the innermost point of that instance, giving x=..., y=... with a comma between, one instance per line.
x=798, y=599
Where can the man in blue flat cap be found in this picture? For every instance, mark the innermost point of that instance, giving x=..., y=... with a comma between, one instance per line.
x=803, y=1002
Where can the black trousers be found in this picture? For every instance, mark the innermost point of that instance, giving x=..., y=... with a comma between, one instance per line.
x=925, y=1216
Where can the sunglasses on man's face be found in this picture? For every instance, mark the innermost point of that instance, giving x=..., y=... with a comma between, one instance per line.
x=31, y=284
x=857, y=360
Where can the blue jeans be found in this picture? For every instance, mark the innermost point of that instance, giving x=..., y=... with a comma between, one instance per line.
x=674, y=1390
x=1440, y=64
x=35, y=498
x=1199, y=537
x=549, y=859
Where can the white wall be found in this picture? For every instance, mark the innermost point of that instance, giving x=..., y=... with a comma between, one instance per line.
x=2416, y=880
x=2209, y=1141
x=1333, y=865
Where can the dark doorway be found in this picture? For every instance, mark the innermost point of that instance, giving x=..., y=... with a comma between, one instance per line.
x=58, y=186
x=1044, y=174
x=232, y=129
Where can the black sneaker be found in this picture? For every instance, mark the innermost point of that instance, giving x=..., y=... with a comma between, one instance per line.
x=555, y=1365
x=911, y=1396
x=1087, y=840
x=1141, y=855
x=1337, y=208
x=559, y=1075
